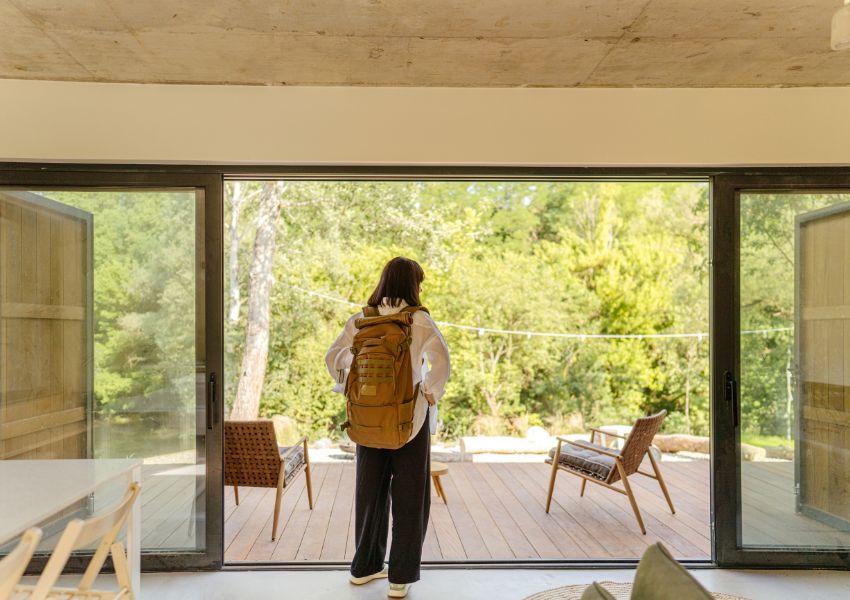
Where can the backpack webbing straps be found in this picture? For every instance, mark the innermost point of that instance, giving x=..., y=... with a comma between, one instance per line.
x=372, y=311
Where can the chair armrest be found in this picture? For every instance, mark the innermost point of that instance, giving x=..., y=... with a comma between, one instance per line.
x=589, y=447
x=600, y=431
x=294, y=447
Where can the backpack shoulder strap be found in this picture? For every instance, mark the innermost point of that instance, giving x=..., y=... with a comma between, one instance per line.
x=370, y=311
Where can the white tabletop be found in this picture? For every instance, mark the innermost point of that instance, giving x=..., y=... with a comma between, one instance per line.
x=31, y=491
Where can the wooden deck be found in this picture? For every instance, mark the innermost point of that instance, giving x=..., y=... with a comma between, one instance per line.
x=169, y=496
x=769, y=513
x=495, y=511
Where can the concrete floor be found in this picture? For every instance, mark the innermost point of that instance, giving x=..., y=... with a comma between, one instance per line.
x=458, y=584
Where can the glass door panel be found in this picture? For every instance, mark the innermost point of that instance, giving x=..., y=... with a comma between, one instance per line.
x=795, y=370
x=103, y=336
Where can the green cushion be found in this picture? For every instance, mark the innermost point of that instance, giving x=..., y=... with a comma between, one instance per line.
x=660, y=577
x=596, y=592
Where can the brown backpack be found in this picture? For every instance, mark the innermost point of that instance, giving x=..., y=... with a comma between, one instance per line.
x=380, y=391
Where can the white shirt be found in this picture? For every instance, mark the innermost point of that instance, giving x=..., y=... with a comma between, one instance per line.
x=426, y=342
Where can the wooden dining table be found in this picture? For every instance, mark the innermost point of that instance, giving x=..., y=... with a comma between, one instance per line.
x=33, y=491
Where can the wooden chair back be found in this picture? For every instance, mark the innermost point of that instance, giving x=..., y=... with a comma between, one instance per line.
x=13, y=565
x=251, y=454
x=78, y=534
x=638, y=443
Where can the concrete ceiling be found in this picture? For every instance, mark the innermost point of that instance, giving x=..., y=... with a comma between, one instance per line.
x=540, y=43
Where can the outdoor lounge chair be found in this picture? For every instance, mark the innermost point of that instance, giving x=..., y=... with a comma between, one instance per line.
x=252, y=458
x=605, y=466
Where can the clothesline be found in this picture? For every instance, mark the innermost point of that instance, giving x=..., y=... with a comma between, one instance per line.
x=553, y=334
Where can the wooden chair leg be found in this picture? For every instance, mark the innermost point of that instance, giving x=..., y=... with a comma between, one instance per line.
x=631, y=496
x=236, y=493
x=122, y=571
x=278, y=494
x=440, y=491
x=583, y=485
x=307, y=475
x=554, y=474
x=660, y=479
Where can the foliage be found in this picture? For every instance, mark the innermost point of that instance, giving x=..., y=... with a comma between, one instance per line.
x=553, y=257
x=768, y=362
x=144, y=296
x=612, y=258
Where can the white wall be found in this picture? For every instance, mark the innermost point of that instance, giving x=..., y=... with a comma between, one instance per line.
x=96, y=122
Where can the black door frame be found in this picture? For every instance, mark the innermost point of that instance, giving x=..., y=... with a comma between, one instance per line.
x=726, y=367
x=724, y=294
x=209, y=231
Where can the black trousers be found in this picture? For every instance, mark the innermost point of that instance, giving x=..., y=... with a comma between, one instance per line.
x=401, y=478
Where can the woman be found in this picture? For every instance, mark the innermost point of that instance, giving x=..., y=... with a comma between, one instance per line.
x=402, y=474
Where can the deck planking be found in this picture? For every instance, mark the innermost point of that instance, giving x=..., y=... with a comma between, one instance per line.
x=495, y=511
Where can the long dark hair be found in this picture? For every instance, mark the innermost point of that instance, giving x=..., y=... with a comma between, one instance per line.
x=400, y=280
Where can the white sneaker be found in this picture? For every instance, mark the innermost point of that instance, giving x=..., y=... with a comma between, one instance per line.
x=398, y=590
x=367, y=578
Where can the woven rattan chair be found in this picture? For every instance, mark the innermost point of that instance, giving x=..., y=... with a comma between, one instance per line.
x=604, y=466
x=252, y=458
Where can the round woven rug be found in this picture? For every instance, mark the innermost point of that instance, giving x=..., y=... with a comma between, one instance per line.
x=620, y=591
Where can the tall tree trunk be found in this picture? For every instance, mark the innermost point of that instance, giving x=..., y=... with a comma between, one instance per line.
x=691, y=352
x=233, y=266
x=256, y=353
x=789, y=394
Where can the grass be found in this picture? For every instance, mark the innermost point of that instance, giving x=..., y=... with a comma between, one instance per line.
x=138, y=438
x=766, y=440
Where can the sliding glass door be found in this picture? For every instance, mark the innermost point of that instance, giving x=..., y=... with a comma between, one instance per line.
x=111, y=346
x=782, y=371
x=110, y=325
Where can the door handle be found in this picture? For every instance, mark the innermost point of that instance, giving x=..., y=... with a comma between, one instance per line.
x=732, y=397
x=210, y=401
